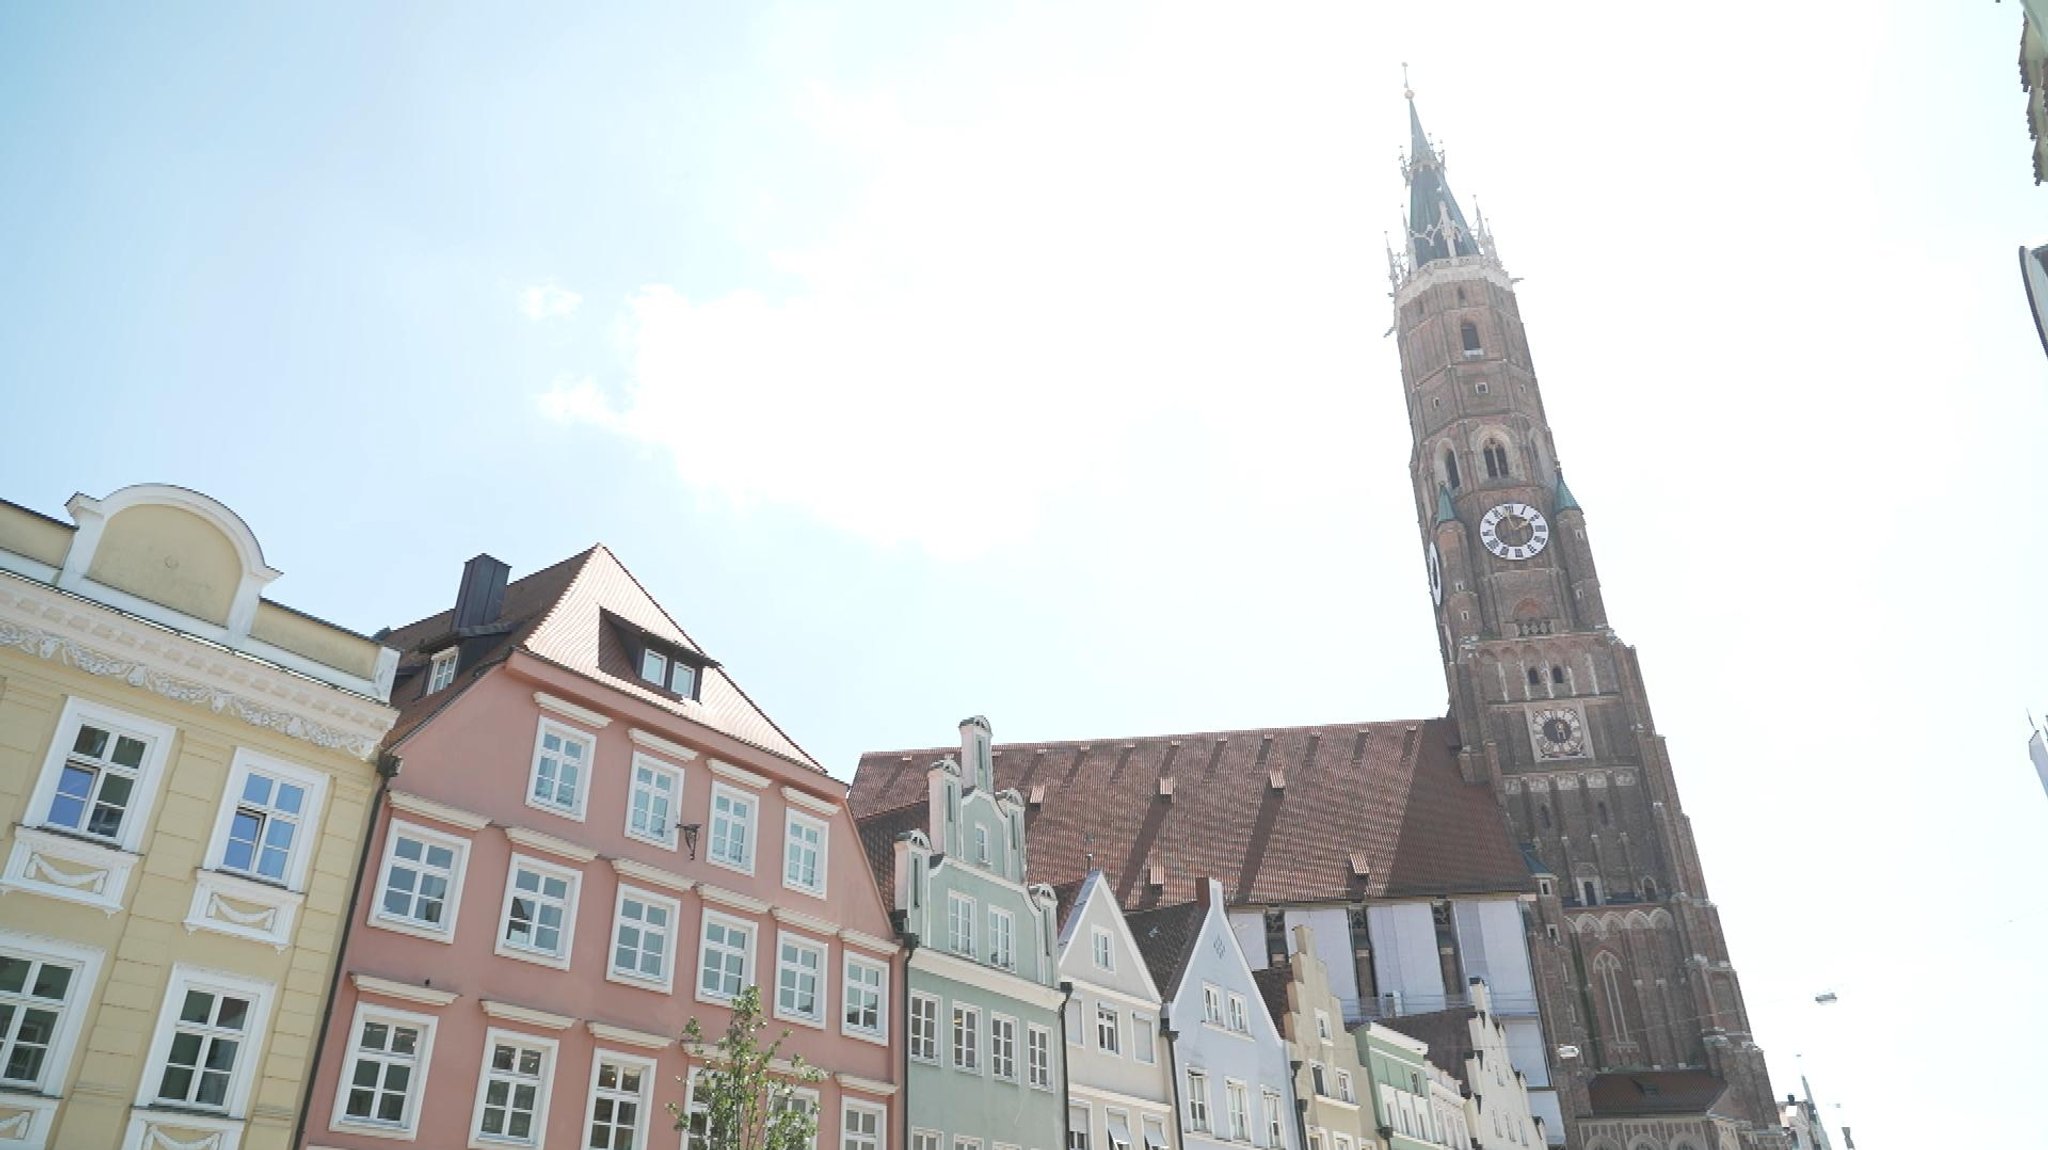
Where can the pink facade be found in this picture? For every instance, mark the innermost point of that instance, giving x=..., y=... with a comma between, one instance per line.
x=548, y=1014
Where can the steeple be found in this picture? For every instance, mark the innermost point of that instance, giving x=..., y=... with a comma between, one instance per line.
x=1436, y=225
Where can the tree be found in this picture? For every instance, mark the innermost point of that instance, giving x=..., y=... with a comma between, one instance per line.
x=746, y=1096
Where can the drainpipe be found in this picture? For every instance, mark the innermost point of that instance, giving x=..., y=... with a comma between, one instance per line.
x=1173, y=1072
x=898, y=918
x=1300, y=1104
x=1066, y=1070
x=388, y=766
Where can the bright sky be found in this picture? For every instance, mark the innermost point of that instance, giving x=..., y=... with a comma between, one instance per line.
x=1027, y=360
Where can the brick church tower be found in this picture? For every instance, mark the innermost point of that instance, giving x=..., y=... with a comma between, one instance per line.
x=1552, y=709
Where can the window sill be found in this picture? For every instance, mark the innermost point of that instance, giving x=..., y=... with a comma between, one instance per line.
x=663, y=985
x=877, y=1037
x=727, y=864
x=373, y=1130
x=817, y=1023
x=537, y=957
x=64, y=865
x=573, y=814
x=241, y=907
x=813, y=892
x=444, y=935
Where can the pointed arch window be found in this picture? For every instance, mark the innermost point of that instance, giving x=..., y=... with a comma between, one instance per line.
x=1451, y=468
x=1543, y=815
x=1604, y=820
x=1468, y=336
x=1607, y=969
x=1557, y=674
x=1496, y=455
x=1649, y=889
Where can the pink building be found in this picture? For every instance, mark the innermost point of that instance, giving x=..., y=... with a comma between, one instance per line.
x=589, y=835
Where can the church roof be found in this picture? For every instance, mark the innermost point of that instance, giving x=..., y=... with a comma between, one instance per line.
x=1654, y=1092
x=1361, y=810
x=1430, y=202
x=1562, y=498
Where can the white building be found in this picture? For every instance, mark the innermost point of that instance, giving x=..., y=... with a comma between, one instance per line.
x=1120, y=1086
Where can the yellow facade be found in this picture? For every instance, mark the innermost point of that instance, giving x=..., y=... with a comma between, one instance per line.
x=183, y=797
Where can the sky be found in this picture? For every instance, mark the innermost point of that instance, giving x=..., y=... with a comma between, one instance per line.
x=1027, y=360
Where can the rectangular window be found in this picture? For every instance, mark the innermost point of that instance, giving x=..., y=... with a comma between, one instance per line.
x=1240, y=1019
x=540, y=911
x=1119, y=1126
x=441, y=670
x=961, y=1143
x=389, y=1052
x=1002, y=1047
x=1344, y=1087
x=802, y=1100
x=512, y=1091
x=1155, y=1133
x=682, y=679
x=725, y=958
x=1143, y=1033
x=561, y=769
x=654, y=667
x=1212, y=1004
x=799, y=977
x=1038, y=1057
x=1078, y=1122
x=1315, y=1075
x=101, y=773
x=981, y=845
x=643, y=938
x=1002, y=939
x=1271, y=1110
x=619, y=1089
x=651, y=807
x=1239, y=1108
x=1108, y=1028
x=966, y=1038
x=925, y=1140
x=1105, y=954
x=960, y=920
x=924, y=1028
x=206, y=1041
x=265, y=825
x=696, y=1116
x=860, y=1127
x=421, y=884
x=732, y=828
x=866, y=998
x=1323, y=1025
x=1198, y=1101
x=41, y=991
x=803, y=856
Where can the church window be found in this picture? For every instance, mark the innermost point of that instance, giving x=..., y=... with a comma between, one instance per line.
x=1543, y=815
x=1590, y=889
x=1535, y=677
x=1608, y=968
x=1451, y=468
x=1649, y=889
x=1557, y=674
x=1481, y=387
x=1604, y=821
x=1496, y=459
x=1461, y=295
x=1468, y=334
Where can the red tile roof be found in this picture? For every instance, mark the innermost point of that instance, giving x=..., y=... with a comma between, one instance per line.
x=557, y=614
x=1166, y=937
x=1654, y=1092
x=1387, y=795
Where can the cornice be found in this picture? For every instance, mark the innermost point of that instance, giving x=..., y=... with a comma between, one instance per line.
x=659, y=745
x=403, y=991
x=440, y=812
x=512, y=1012
x=97, y=640
x=626, y=1036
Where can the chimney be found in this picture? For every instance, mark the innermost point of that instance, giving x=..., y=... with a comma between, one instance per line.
x=482, y=594
x=1209, y=892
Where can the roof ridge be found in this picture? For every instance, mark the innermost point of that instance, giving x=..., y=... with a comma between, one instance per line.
x=1106, y=740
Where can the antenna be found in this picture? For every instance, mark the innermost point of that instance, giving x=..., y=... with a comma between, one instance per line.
x=1407, y=90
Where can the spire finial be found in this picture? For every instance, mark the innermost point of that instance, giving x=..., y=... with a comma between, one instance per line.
x=1407, y=90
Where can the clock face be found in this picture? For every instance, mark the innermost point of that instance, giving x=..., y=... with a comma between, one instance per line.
x=1436, y=576
x=1514, y=531
x=1559, y=733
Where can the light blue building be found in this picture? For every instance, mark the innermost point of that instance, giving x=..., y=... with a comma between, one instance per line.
x=981, y=1019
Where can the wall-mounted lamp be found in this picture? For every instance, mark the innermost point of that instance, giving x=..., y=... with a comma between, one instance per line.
x=690, y=837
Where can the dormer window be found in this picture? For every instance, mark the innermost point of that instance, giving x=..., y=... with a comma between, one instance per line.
x=659, y=664
x=441, y=671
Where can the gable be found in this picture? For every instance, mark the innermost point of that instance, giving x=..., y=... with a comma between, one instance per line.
x=1096, y=913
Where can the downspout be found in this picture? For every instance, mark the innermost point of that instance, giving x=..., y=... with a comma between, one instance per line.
x=1066, y=1070
x=388, y=766
x=903, y=1099
x=1173, y=1073
x=1300, y=1105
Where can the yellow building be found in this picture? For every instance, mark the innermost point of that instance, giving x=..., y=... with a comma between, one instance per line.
x=186, y=771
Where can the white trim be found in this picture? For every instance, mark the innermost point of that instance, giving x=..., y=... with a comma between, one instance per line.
x=215, y=893
x=639, y=871
x=550, y=1048
x=576, y=811
x=626, y=1036
x=869, y=942
x=753, y=828
x=449, y=658
x=413, y=804
x=880, y=1034
x=150, y=1128
x=248, y=1055
x=668, y=840
x=513, y=1012
x=748, y=964
x=877, y=1111
x=79, y=999
x=457, y=873
x=659, y=745
x=938, y=1027
x=825, y=807
x=728, y=771
x=403, y=991
x=986, y=978
x=545, y=870
x=794, y=818
x=649, y=1072
x=1131, y=1101
x=733, y=899
x=156, y=738
x=99, y=880
x=313, y=783
x=549, y=844
x=671, y=937
x=803, y=922
x=416, y=1086
x=569, y=710
x=823, y=949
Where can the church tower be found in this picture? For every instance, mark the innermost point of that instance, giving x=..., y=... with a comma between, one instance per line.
x=1550, y=705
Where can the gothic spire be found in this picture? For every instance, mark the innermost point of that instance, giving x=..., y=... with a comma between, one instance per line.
x=1436, y=226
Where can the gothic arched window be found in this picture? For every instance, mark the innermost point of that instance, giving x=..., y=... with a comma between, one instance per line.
x=1557, y=674
x=1649, y=889
x=1543, y=815
x=1468, y=335
x=1496, y=459
x=1603, y=815
x=1451, y=468
x=1535, y=677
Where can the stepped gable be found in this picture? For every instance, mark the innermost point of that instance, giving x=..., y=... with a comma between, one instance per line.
x=559, y=614
x=1167, y=937
x=1384, y=798
x=1655, y=1092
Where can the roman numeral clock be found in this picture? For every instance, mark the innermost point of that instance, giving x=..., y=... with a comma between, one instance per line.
x=1514, y=531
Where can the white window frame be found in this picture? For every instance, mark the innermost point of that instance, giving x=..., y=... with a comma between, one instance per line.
x=982, y=852
x=933, y=1042
x=880, y=1113
x=966, y=1036
x=963, y=1142
x=821, y=973
x=1212, y=1003
x=660, y=677
x=1002, y=939
x=850, y=962
x=750, y=826
x=549, y=1048
x=1104, y=948
x=956, y=943
x=149, y=773
x=646, y=762
x=998, y=1026
x=1144, y=1036
x=416, y=1088
x=1269, y=1103
x=1038, y=1056
x=1240, y=1015
x=923, y=1139
x=451, y=904
x=643, y=1098
x=1198, y=1100
x=801, y=1096
x=574, y=880
x=567, y=733
x=262, y=997
x=751, y=930
x=83, y=990
x=1237, y=1109
x=665, y=981
x=1109, y=1029
x=441, y=670
x=1111, y=1119
x=1345, y=1092
x=300, y=858
x=791, y=823
x=1323, y=1025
